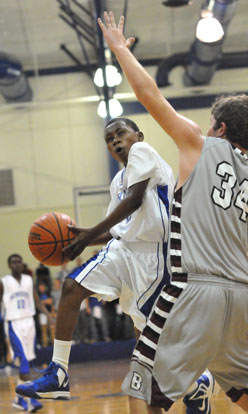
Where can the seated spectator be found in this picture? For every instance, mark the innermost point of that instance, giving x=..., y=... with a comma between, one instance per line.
x=47, y=300
x=98, y=323
x=56, y=290
x=27, y=270
x=43, y=275
x=61, y=275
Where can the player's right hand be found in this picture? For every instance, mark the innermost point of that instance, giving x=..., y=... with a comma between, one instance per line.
x=79, y=243
x=112, y=33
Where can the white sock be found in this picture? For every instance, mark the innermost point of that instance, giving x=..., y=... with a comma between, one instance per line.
x=61, y=353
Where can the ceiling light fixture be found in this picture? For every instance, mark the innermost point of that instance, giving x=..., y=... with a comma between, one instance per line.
x=113, y=77
x=209, y=29
x=115, y=108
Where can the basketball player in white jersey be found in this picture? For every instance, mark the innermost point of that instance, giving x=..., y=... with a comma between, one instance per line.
x=18, y=298
x=200, y=320
x=131, y=266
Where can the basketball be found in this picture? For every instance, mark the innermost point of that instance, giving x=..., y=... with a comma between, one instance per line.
x=47, y=237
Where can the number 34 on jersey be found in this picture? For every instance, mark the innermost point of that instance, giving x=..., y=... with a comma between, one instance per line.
x=224, y=196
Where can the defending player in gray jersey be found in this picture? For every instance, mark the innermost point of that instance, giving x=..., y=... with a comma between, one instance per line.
x=200, y=319
x=211, y=211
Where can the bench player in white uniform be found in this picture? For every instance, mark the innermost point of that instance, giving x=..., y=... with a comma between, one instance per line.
x=131, y=266
x=17, y=295
x=200, y=319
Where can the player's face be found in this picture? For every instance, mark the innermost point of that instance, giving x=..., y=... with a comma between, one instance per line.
x=119, y=138
x=16, y=265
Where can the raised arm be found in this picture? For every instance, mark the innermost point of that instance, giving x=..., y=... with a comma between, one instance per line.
x=184, y=132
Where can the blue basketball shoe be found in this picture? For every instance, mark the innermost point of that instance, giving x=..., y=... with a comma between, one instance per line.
x=33, y=405
x=198, y=402
x=54, y=384
x=20, y=403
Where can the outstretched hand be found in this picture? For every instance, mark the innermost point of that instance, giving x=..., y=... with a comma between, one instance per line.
x=112, y=33
x=79, y=243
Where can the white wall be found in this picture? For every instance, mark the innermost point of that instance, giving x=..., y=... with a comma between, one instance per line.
x=56, y=143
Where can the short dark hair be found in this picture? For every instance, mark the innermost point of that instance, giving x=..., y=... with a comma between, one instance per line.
x=127, y=121
x=233, y=111
x=13, y=255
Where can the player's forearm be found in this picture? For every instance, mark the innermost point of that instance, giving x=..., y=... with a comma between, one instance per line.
x=102, y=239
x=148, y=93
x=139, y=79
x=125, y=209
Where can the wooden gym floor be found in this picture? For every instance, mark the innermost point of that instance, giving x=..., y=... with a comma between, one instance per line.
x=95, y=389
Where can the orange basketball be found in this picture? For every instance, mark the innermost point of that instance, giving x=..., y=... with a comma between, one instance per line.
x=48, y=236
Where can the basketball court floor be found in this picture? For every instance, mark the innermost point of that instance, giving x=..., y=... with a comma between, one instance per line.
x=95, y=389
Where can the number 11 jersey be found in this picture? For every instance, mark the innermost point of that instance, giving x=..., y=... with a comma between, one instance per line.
x=18, y=300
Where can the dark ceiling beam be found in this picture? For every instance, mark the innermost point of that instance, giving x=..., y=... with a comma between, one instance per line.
x=230, y=60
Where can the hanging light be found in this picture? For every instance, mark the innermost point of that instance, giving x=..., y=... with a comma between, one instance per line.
x=113, y=77
x=102, y=110
x=209, y=30
x=115, y=108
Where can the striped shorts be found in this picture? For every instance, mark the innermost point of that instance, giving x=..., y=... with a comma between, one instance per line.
x=204, y=325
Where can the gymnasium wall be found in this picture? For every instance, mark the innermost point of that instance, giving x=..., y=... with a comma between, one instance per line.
x=56, y=143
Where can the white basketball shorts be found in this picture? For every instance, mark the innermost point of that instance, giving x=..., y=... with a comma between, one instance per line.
x=21, y=334
x=132, y=272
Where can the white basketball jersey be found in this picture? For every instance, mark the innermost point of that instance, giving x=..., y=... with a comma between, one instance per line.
x=18, y=299
x=149, y=223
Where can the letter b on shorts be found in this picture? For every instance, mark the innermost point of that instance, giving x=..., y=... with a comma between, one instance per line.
x=136, y=381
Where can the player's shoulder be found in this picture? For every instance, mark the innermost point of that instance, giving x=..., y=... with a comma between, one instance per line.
x=142, y=149
x=6, y=280
x=141, y=146
x=27, y=278
x=7, y=277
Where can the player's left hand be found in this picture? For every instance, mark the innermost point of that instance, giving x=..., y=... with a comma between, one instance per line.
x=112, y=33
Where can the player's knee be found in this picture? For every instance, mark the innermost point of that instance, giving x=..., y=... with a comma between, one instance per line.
x=72, y=289
x=69, y=288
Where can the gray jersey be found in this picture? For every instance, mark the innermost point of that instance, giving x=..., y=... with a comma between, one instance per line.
x=208, y=233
